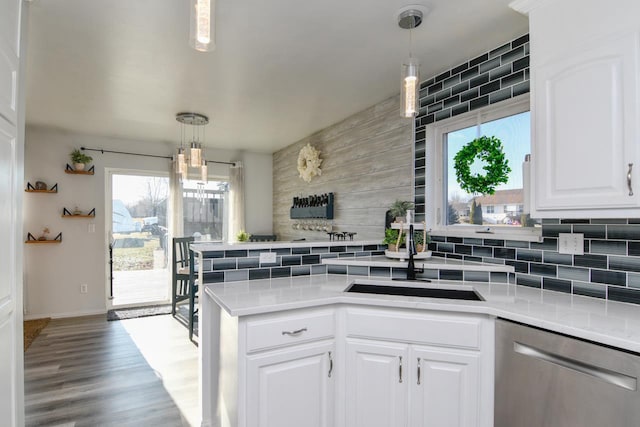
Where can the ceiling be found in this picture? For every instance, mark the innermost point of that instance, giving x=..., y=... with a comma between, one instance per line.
x=281, y=69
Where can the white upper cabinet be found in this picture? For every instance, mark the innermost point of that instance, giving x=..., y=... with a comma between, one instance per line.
x=584, y=100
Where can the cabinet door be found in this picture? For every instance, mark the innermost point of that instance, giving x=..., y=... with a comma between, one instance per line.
x=586, y=131
x=445, y=388
x=291, y=387
x=376, y=384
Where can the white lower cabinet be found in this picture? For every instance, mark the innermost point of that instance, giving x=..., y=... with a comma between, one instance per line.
x=376, y=383
x=418, y=369
x=291, y=387
x=348, y=366
x=444, y=388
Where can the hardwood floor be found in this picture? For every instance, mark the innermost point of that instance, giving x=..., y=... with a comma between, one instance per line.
x=90, y=372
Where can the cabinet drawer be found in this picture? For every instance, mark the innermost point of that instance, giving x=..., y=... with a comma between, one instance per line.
x=281, y=330
x=461, y=331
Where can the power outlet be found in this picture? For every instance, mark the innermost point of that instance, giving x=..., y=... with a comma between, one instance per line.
x=267, y=257
x=84, y=288
x=571, y=243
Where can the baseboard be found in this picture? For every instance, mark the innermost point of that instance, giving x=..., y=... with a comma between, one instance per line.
x=64, y=315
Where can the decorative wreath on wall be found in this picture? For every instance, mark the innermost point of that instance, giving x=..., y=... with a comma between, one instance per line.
x=309, y=162
x=497, y=167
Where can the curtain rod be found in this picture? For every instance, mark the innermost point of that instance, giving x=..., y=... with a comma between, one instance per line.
x=148, y=155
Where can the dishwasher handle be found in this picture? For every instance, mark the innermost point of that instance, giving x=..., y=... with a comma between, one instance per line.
x=611, y=377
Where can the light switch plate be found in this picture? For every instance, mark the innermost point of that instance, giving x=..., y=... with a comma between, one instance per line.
x=267, y=257
x=571, y=243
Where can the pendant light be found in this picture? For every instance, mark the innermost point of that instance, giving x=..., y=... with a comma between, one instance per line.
x=204, y=172
x=201, y=29
x=410, y=17
x=195, y=159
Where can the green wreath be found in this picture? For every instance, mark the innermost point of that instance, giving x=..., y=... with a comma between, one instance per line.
x=497, y=168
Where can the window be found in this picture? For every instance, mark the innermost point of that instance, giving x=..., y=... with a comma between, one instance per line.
x=500, y=212
x=204, y=209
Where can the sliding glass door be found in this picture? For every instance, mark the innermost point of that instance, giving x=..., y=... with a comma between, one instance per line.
x=139, y=237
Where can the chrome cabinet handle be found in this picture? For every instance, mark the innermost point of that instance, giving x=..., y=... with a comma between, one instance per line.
x=400, y=368
x=418, y=371
x=294, y=333
x=615, y=378
x=330, y=364
x=629, y=179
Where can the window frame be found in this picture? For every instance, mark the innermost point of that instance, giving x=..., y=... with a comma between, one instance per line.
x=435, y=212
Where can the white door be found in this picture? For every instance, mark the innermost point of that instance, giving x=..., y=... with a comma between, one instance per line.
x=376, y=383
x=444, y=388
x=292, y=387
x=11, y=180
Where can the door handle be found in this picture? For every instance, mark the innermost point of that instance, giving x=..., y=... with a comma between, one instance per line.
x=400, y=368
x=629, y=179
x=418, y=371
x=614, y=378
x=330, y=365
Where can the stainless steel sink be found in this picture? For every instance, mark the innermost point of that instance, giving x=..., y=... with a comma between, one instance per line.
x=460, y=294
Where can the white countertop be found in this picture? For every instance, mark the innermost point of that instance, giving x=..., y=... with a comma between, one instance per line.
x=436, y=263
x=218, y=246
x=608, y=322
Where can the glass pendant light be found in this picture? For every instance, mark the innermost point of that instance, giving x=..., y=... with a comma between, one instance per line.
x=201, y=31
x=195, y=158
x=181, y=164
x=409, y=92
x=195, y=154
x=204, y=173
x=410, y=17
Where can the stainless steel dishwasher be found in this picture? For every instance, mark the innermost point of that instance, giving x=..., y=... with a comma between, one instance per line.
x=545, y=379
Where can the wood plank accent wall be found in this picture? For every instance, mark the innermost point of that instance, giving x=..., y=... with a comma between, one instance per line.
x=367, y=162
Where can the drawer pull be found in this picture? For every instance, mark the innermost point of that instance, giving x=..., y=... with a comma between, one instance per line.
x=330, y=364
x=294, y=333
x=400, y=368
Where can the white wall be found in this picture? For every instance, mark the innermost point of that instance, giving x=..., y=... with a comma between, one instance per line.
x=53, y=273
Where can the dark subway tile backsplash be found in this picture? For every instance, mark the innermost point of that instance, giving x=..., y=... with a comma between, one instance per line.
x=611, y=246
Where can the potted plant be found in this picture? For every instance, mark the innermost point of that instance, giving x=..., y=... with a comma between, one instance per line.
x=391, y=239
x=421, y=240
x=243, y=236
x=79, y=159
x=398, y=209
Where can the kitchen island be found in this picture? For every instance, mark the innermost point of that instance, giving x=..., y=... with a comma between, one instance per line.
x=275, y=333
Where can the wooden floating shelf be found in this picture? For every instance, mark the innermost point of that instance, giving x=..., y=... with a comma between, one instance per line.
x=70, y=170
x=67, y=214
x=32, y=239
x=31, y=189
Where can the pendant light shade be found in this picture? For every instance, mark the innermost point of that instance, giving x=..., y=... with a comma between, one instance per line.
x=204, y=172
x=195, y=154
x=410, y=88
x=201, y=31
x=181, y=162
